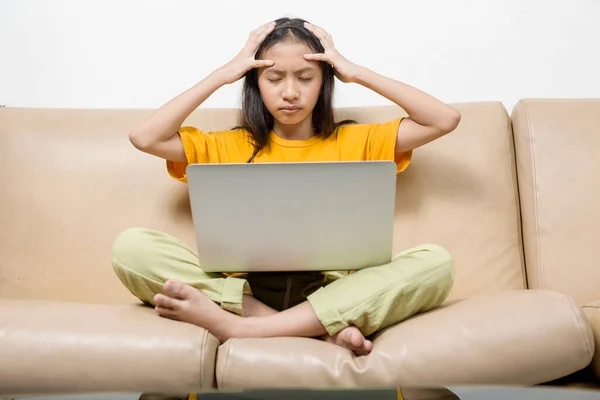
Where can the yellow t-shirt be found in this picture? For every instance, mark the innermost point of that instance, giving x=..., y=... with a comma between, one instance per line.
x=356, y=142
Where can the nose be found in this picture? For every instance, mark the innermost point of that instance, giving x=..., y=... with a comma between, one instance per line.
x=290, y=90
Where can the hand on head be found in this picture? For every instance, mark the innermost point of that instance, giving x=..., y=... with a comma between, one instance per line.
x=345, y=71
x=244, y=60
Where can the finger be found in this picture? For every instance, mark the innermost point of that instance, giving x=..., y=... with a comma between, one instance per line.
x=325, y=38
x=261, y=28
x=313, y=29
x=319, y=32
x=259, y=34
x=317, y=57
x=263, y=63
x=165, y=312
x=256, y=37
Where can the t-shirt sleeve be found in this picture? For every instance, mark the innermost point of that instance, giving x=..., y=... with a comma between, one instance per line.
x=200, y=147
x=381, y=144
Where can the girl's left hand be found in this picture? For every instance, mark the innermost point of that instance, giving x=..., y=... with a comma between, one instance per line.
x=345, y=71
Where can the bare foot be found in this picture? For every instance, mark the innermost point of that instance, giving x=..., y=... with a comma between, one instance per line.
x=187, y=304
x=352, y=339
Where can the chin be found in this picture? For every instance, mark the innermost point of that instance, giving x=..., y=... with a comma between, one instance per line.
x=289, y=121
x=284, y=119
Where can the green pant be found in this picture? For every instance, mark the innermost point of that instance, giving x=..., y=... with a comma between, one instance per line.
x=416, y=280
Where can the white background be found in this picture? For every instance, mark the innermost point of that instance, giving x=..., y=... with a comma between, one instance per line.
x=139, y=54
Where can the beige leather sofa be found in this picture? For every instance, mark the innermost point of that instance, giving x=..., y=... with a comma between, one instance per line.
x=514, y=198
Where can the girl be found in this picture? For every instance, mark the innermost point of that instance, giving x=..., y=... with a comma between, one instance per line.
x=289, y=67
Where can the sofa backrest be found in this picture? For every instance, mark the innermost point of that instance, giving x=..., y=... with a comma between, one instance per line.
x=558, y=157
x=72, y=182
x=460, y=192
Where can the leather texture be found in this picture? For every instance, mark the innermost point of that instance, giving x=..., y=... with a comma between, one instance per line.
x=76, y=182
x=460, y=192
x=592, y=312
x=55, y=347
x=558, y=148
x=493, y=339
x=72, y=182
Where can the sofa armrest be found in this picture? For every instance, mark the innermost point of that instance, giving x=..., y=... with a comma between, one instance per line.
x=592, y=312
x=522, y=337
x=53, y=347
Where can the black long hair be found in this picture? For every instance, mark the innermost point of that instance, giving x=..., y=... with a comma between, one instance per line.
x=254, y=116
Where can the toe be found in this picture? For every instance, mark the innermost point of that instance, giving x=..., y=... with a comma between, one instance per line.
x=178, y=290
x=173, y=288
x=356, y=339
x=365, y=349
x=166, y=302
x=357, y=342
x=165, y=312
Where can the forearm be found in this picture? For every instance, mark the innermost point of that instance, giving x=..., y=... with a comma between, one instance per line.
x=421, y=107
x=167, y=120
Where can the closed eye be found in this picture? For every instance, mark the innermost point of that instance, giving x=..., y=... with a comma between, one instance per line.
x=301, y=79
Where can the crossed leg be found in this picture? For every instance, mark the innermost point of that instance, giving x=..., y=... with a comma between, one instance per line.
x=185, y=303
x=343, y=312
x=416, y=280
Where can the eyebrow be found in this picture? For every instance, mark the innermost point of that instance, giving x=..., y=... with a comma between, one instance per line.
x=298, y=71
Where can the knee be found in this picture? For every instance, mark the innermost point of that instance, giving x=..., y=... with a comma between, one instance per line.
x=441, y=263
x=438, y=261
x=129, y=246
x=438, y=257
x=437, y=254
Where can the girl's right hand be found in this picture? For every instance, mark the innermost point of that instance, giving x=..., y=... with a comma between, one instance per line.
x=244, y=61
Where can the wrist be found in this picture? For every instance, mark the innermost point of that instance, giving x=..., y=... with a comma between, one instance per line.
x=217, y=79
x=360, y=75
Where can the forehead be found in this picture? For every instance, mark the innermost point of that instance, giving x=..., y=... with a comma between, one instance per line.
x=289, y=56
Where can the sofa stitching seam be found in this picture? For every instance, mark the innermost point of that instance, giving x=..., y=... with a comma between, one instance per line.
x=227, y=347
x=540, y=267
x=588, y=343
x=203, y=351
x=203, y=345
x=516, y=194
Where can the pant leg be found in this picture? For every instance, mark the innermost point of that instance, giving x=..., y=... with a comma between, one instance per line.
x=416, y=280
x=145, y=259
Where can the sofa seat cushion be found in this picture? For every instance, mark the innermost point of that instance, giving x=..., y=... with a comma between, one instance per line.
x=54, y=347
x=522, y=337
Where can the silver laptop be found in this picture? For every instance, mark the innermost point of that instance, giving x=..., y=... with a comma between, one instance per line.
x=308, y=216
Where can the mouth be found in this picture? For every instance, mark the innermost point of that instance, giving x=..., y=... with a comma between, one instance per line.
x=290, y=109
